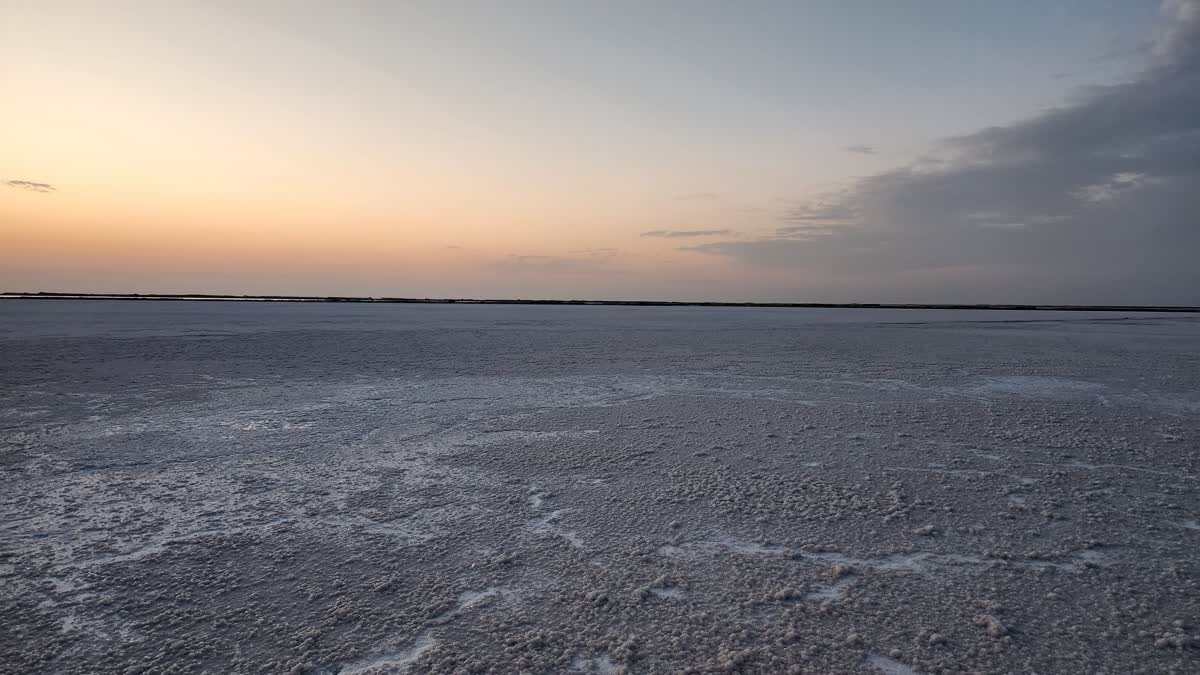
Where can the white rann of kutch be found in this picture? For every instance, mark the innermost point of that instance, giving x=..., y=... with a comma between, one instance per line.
x=323, y=488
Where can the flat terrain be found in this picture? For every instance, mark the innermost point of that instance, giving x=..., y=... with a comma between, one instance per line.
x=260, y=488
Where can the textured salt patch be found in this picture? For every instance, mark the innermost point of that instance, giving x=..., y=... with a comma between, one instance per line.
x=915, y=562
x=391, y=661
x=158, y=547
x=403, y=658
x=942, y=470
x=1087, y=466
x=673, y=551
x=61, y=586
x=1064, y=389
x=750, y=548
x=1037, y=387
x=888, y=665
x=833, y=591
x=548, y=524
x=596, y=664
x=416, y=531
x=470, y=599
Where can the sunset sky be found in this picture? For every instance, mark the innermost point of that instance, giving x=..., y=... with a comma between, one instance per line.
x=836, y=151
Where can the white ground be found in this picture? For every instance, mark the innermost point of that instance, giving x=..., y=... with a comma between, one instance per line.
x=222, y=487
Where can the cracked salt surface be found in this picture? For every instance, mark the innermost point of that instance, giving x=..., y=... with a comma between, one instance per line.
x=557, y=489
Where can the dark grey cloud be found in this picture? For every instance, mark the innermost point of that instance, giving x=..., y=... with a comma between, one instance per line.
x=1096, y=201
x=860, y=149
x=698, y=197
x=675, y=234
x=30, y=185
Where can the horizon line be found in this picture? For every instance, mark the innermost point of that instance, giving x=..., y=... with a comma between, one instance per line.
x=218, y=297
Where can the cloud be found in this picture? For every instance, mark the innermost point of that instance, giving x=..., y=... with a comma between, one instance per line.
x=543, y=263
x=596, y=252
x=809, y=231
x=676, y=234
x=30, y=185
x=839, y=210
x=1096, y=201
x=1111, y=187
x=585, y=261
x=860, y=149
x=698, y=197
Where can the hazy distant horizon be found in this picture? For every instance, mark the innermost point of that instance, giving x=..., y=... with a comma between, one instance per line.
x=467, y=300
x=838, y=152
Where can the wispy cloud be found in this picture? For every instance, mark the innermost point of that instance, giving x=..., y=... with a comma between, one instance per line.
x=1094, y=201
x=30, y=185
x=544, y=263
x=678, y=234
x=809, y=231
x=834, y=209
x=861, y=149
x=1111, y=187
x=583, y=261
x=697, y=197
x=596, y=252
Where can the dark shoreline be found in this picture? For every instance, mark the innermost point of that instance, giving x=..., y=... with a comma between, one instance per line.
x=206, y=297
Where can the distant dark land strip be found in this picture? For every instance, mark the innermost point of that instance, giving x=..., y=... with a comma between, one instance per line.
x=630, y=303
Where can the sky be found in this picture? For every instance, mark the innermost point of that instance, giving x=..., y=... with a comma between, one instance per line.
x=839, y=151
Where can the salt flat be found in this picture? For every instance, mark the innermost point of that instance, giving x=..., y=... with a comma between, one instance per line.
x=282, y=488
